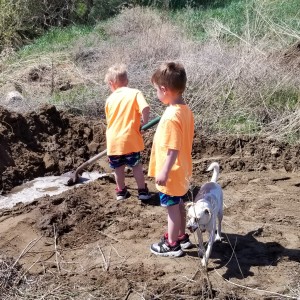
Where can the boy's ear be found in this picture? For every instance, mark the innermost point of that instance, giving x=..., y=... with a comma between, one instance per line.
x=163, y=89
x=112, y=85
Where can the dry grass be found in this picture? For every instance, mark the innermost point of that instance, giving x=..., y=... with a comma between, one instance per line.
x=251, y=86
x=294, y=287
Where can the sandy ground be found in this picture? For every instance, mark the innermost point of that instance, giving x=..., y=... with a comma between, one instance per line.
x=83, y=244
x=102, y=246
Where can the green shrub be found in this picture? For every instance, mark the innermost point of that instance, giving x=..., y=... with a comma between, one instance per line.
x=80, y=100
x=242, y=124
x=56, y=39
x=284, y=99
x=21, y=21
x=232, y=18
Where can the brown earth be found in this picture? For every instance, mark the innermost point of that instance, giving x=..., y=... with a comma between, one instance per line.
x=44, y=142
x=83, y=244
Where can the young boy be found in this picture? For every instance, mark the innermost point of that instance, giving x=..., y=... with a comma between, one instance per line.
x=171, y=159
x=124, y=109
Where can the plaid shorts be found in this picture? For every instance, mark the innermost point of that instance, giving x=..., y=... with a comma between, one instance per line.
x=167, y=200
x=131, y=160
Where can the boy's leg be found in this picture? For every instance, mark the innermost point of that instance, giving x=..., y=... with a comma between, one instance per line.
x=143, y=192
x=117, y=163
x=139, y=176
x=183, y=218
x=182, y=237
x=133, y=160
x=170, y=245
x=120, y=177
x=174, y=222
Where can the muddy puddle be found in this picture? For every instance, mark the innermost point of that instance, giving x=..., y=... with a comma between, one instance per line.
x=43, y=186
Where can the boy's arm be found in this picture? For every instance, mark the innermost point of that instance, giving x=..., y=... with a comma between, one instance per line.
x=106, y=111
x=145, y=115
x=143, y=107
x=162, y=177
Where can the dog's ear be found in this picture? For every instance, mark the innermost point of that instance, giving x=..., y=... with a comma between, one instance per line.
x=206, y=211
x=189, y=204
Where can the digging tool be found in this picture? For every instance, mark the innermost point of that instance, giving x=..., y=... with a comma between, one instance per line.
x=73, y=176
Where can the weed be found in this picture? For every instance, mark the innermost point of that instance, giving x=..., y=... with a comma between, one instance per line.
x=80, y=100
x=241, y=85
x=55, y=40
x=238, y=124
x=284, y=99
x=255, y=18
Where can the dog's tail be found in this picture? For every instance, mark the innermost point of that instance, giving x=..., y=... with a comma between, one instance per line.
x=214, y=166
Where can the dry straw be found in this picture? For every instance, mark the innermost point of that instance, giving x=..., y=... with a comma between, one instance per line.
x=232, y=88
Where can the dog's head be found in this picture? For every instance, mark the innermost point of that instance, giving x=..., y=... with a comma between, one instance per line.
x=199, y=215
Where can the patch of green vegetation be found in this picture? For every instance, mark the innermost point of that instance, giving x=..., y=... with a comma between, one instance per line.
x=239, y=17
x=284, y=99
x=76, y=100
x=286, y=13
x=292, y=138
x=198, y=21
x=238, y=124
x=56, y=39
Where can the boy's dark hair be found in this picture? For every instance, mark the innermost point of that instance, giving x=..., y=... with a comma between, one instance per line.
x=171, y=75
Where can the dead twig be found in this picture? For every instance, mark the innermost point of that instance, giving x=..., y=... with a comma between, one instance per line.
x=19, y=278
x=106, y=263
x=108, y=236
x=128, y=294
x=255, y=289
x=29, y=246
x=55, y=248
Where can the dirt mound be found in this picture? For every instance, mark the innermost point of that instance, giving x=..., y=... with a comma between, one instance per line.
x=243, y=153
x=53, y=142
x=44, y=142
x=86, y=244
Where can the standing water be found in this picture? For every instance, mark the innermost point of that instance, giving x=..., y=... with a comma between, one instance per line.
x=42, y=186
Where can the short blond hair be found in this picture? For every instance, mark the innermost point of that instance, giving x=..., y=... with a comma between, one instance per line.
x=172, y=75
x=117, y=74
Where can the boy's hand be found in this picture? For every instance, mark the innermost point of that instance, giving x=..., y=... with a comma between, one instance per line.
x=161, y=178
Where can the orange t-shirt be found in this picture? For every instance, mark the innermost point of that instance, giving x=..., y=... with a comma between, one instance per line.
x=175, y=131
x=123, y=110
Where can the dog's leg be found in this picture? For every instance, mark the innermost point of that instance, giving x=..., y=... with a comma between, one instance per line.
x=218, y=235
x=210, y=243
x=201, y=249
x=220, y=218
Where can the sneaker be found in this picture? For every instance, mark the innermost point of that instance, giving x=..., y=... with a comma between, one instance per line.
x=144, y=193
x=163, y=248
x=122, y=194
x=184, y=240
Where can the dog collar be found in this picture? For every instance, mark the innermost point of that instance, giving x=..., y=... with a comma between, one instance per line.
x=202, y=227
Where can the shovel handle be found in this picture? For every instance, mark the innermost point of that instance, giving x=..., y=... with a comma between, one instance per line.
x=151, y=123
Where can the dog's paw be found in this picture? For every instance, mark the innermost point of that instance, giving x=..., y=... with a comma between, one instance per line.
x=204, y=262
x=218, y=238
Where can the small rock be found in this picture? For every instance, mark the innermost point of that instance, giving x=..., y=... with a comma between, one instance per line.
x=275, y=151
x=14, y=98
x=87, y=132
x=93, y=147
x=49, y=162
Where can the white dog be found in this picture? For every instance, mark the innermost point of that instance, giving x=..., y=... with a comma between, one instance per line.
x=203, y=213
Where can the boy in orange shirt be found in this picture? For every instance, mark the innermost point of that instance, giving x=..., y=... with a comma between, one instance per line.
x=171, y=158
x=124, y=109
